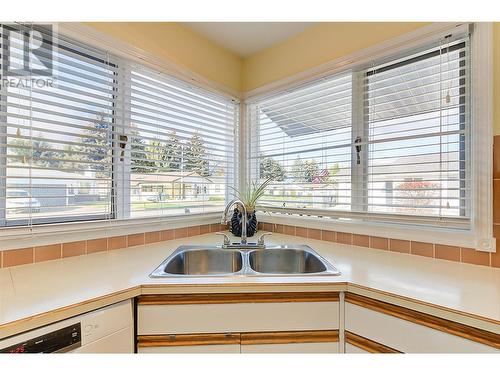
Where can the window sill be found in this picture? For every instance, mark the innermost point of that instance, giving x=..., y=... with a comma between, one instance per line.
x=452, y=237
x=45, y=234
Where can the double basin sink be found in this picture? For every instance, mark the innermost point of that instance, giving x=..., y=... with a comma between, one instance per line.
x=285, y=260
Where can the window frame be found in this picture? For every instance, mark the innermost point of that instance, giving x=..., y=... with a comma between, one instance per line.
x=479, y=235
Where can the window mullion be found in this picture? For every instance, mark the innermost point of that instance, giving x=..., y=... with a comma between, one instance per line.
x=122, y=141
x=3, y=164
x=359, y=134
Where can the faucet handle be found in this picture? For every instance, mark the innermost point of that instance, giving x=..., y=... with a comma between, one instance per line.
x=260, y=241
x=227, y=240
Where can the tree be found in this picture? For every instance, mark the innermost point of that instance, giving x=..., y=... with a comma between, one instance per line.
x=173, y=153
x=415, y=196
x=96, y=145
x=311, y=170
x=298, y=170
x=195, y=156
x=140, y=158
x=305, y=171
x=270, y=168
x=155, y=152
x=36, y=151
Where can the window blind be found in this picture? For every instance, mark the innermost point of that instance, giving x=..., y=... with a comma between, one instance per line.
x=182, y=153
x=418, y=134
x=302, y=142
x=389, y=142
x=57, y=141
x=113, y=139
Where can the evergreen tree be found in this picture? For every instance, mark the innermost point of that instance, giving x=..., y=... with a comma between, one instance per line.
x=173, y=153
x=298, y=171
x=140, y=159
x=156, y=153
x=36, y=151
x=195, y=156
x=97, y=141
x=305, y=171
x=311, y=170
x=270, y=168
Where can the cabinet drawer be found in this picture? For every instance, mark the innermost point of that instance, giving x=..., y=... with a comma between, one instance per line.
x=216, y=315
x=351, y=349
x=313, y=347
x=409, y=331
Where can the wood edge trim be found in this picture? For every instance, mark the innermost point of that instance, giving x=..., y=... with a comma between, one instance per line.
x=219, y=298
x=367, y=344
x=420, y=302
x=289, y=337
x=149, y=341
x=441, y=324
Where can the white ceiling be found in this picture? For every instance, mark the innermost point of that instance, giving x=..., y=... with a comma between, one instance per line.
x=247, y=38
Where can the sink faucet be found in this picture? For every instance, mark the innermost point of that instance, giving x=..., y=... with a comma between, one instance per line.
x=244, y=218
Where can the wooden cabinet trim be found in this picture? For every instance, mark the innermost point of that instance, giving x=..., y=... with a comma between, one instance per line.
x=219, y=298
x=289, y=337
x=367, y=344
x=444, y=325
x=145, y=341
x=247, y=338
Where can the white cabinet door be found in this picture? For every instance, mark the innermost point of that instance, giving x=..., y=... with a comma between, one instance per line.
x=237, y=317
x=406, y=336
x=118, y=342
x=310, y=347
x=351, y=349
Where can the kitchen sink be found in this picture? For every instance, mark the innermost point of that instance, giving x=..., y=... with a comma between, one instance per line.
x=284, y=260
x=208, y=261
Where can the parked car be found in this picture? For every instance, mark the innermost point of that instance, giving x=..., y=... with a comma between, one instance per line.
x=21, y=200
x=160, y=197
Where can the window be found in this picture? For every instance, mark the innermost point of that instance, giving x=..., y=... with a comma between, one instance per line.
x=58, y=139
x=111, y=140
x=181, y=140
x=303, y=142
x=389, y=142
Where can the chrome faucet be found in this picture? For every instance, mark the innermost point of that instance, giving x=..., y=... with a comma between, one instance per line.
x=244, y=218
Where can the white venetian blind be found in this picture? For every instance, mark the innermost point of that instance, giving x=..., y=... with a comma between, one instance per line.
x=388, y=143
x=112, y=139
x=302, y=141
x=56, y=142
x=416, y=143
x=182, y=149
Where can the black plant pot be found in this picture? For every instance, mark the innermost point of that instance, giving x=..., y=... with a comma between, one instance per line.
x=236, y=226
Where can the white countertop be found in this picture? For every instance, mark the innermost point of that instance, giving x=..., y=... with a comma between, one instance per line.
x=36, y=294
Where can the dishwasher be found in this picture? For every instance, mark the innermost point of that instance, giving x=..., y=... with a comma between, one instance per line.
x=106, y=330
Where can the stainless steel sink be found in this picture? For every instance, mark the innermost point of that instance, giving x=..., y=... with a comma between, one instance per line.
x=286, y=260
x=188, y=261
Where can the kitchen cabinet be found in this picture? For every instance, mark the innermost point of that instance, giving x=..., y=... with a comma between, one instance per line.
x=377, y=326
x=291, y=342
x=246, y=322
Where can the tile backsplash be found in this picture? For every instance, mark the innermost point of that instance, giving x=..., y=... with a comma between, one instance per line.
x=16, y=257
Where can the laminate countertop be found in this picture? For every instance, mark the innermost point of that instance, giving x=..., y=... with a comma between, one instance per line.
x=41, y=293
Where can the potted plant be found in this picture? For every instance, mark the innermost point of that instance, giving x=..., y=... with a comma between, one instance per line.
x=249, y=197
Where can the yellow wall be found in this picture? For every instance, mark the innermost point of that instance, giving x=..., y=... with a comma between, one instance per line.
x=180, y=45
x=317, y=45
